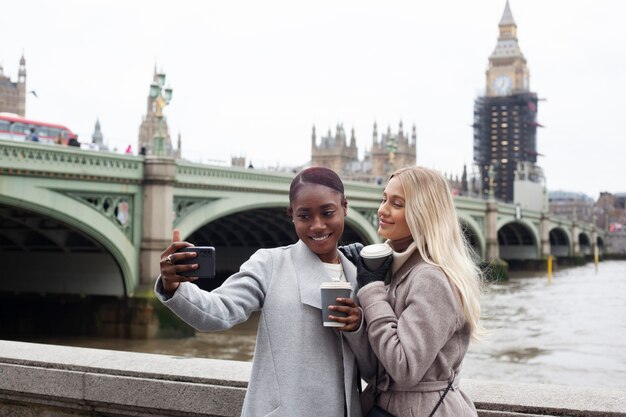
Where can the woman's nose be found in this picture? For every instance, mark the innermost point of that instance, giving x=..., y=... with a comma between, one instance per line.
x=382, y=209
x=317, y=223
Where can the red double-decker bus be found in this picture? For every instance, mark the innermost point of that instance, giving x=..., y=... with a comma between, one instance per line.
x=15, y=127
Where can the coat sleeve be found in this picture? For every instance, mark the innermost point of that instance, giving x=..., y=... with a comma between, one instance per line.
x=360, y=346
x=230, y=304
x=408, y=344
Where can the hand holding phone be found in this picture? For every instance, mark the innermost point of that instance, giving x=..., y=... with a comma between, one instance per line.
x=205, y=258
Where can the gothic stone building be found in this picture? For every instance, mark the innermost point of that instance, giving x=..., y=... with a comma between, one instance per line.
x=13, y=94
x=390, y=152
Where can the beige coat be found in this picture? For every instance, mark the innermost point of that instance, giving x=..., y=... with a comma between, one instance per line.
x=418, y=331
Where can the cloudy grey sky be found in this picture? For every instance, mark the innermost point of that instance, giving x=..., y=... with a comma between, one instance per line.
x=251, y=78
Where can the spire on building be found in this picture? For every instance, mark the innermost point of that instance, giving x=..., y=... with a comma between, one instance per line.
x=313, y=137
x=414, y=136
x=21, y=75
x=375, y=134
x=352, y=139
x=507, y=16
x=97, y=138
x=507, y=47
x=340, y=136
x=464, y=185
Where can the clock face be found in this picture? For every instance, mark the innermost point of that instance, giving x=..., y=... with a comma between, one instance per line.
x=502, y=85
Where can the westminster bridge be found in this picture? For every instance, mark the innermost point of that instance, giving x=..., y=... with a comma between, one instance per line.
x=95, y=223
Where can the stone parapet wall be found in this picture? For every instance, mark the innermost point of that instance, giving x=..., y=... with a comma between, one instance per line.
x=59, y=381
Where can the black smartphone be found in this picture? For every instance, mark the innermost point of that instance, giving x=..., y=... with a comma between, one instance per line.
x=205, y=261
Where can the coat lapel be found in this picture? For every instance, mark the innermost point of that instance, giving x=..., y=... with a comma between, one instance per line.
x=311, y=273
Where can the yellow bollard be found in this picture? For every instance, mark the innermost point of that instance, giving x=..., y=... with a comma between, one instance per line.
x=596, y=256
x=550, y=269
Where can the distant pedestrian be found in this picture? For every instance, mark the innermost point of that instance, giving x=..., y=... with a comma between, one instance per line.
x=129, y=150
x=32, y=136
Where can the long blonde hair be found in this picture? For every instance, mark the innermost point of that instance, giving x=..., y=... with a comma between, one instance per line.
x=432, y=220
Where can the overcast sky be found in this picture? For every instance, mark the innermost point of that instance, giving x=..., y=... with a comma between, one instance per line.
x=251, y=78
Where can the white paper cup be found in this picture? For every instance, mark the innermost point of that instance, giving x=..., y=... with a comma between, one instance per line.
x=375, y=255
x=330, y=291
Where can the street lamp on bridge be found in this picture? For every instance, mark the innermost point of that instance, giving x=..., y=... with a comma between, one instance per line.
x=162, y=97
x=392, y=148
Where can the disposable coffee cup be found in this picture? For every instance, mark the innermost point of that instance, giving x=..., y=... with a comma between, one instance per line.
x=330, y=291
x=375, y=255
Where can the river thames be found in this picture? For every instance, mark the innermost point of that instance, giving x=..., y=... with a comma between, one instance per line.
x=571, y=331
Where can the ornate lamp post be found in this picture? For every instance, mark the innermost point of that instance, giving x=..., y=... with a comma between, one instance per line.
x=162, y=97
x=492, y=175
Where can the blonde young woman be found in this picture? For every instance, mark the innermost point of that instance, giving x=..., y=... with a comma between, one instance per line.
x=421, y=323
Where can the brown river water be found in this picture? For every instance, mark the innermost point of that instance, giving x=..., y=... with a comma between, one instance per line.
x=571, y=331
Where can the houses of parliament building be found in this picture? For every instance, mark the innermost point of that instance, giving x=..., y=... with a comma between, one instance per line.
x=13, y=93
x=391, y=151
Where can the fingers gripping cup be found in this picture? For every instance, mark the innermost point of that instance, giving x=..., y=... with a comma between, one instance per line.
x=330, y=291
x=375, y=255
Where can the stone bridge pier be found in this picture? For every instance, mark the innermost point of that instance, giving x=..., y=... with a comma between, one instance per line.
x=157, y=216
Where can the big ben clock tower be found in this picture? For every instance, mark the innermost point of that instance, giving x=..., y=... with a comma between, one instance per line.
x=507, y=72
x=505, y=118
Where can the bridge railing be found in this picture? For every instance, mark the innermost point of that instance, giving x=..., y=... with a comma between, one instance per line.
x=28, y=158
x=189, y=174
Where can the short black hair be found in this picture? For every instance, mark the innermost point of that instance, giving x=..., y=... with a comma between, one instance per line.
x=319, y=176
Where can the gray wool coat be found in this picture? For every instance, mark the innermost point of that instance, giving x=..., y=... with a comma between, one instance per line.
x=418, y=331
x=300, y=368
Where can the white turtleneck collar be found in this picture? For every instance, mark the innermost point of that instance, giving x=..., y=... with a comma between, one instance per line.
x=399, y=258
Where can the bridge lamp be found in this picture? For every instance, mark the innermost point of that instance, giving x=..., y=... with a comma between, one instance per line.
x=161, y=79
x=154, y=90
x=167, y=94
x=162, y=97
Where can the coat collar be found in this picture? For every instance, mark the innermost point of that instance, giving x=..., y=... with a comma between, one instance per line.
x=310, y=273
x=407, y=266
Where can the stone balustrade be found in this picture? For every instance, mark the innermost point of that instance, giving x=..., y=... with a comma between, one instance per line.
x=63, y=381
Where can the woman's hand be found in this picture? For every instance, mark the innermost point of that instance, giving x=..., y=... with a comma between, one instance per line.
x=169, y=270
x=353, y=320
x=364, y=276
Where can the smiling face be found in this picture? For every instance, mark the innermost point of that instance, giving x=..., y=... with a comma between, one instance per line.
x=391, y=212
x=318, y=215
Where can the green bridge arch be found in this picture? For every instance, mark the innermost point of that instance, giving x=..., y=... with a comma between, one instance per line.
x=49, y=198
